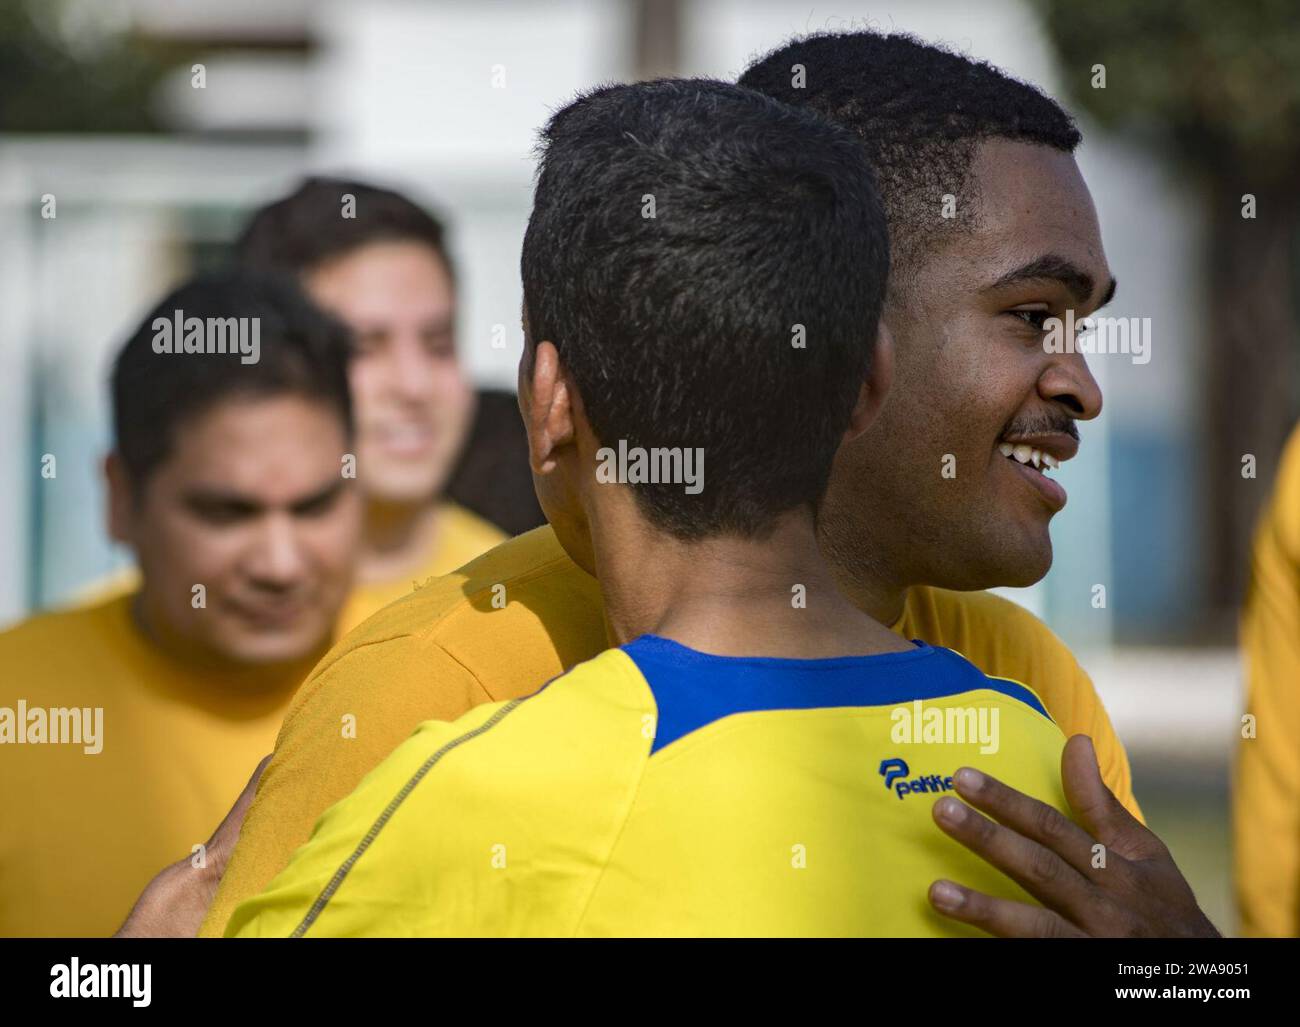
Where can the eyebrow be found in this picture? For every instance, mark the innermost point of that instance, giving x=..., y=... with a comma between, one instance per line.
x=204, y=496
x=1056, y=269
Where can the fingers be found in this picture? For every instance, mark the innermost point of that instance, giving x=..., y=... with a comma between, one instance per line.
x=1096, y=806
x=1028, y=817
x=224, y=837
x=1035, y=867
x=1002, y=918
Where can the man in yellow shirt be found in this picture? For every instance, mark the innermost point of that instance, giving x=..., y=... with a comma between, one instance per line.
x=379, y=263
x=974, y=381
x=127, y=726
x=1266, y=788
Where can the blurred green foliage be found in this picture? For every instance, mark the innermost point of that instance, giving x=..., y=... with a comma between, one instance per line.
x=64, y=69
x=1218, y=81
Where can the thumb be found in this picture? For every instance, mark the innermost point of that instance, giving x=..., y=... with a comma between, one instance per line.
x=223, y=839
x=1095, y=805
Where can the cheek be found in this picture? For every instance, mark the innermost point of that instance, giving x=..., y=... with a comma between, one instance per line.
x=333, y=538
x=183, y=552
x=363, y=380
x=451, y=388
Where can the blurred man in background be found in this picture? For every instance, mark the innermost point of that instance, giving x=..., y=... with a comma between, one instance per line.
x=379, y=262
x=1266, y=806
x=137, y=719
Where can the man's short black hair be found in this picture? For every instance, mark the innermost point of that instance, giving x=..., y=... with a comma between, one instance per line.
x=710, y=265
x=303, y=230
x=302, y=351
x=921, y=110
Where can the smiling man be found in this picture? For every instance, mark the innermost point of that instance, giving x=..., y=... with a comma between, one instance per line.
x=226, y=481
x=923, y=510
x=379, y=262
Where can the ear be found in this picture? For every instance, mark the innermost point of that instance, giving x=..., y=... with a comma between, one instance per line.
x=121, y=502
x=871, y=397
x=548, y=403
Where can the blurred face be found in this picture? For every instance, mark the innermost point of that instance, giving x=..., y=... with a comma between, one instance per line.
x=251, y=504
x=973, y=382
x=413, y=404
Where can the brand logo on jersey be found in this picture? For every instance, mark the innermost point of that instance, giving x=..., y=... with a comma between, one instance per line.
x=895, y=772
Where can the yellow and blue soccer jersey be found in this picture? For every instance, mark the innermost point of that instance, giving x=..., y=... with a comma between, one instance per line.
x=656, y=790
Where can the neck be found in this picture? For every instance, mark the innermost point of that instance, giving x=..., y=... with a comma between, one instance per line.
x=879, y=598
x=730, y=596
x=395, y=538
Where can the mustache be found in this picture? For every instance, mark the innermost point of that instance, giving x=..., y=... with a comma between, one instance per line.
x=1041, y=425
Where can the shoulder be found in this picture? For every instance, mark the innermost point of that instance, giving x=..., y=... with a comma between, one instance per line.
x=532, y=566
x=1004, y=640
x=985, y=628
x=65, y=632
x=497, y=628
x=1281, y=521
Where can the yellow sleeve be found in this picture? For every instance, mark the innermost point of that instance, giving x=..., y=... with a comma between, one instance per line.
x=1111, y=755
x=499, y=824
x=350, y=714
x=390, y=859
x=1266, y=786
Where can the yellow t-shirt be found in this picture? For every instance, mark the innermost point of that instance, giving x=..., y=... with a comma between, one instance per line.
x=1266, y=788
x=517, y=617
x=660, y=791
x=83, y=831
x=461, y=536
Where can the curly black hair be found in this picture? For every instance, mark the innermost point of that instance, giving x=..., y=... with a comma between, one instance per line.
x=676, y=320
x=921, y=110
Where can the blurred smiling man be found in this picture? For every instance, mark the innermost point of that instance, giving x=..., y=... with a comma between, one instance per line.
x=379, y=263
x=227, y=482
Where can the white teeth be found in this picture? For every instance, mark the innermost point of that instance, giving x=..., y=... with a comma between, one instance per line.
x=1029, y=455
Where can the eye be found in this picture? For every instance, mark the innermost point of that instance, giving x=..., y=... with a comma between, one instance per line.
x=1033, y=318
x=317, y=506
x=220, y=512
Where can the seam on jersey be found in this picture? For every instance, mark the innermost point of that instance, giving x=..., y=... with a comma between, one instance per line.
x=1003, y=677
x=473, y=677
x=1013, y=681
x=631, y=805
x=330, y=889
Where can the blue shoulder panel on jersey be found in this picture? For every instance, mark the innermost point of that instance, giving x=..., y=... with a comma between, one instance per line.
x=693, y=689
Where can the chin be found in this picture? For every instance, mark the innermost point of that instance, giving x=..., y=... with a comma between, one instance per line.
x=268, y=650
x=1023, y=567
x=403, y=485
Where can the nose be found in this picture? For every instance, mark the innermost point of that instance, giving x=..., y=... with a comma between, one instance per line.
x=1067, y=381
x=278, y=560
x=411, y=368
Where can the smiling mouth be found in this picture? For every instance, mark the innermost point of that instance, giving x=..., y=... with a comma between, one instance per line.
x=1029, y=457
